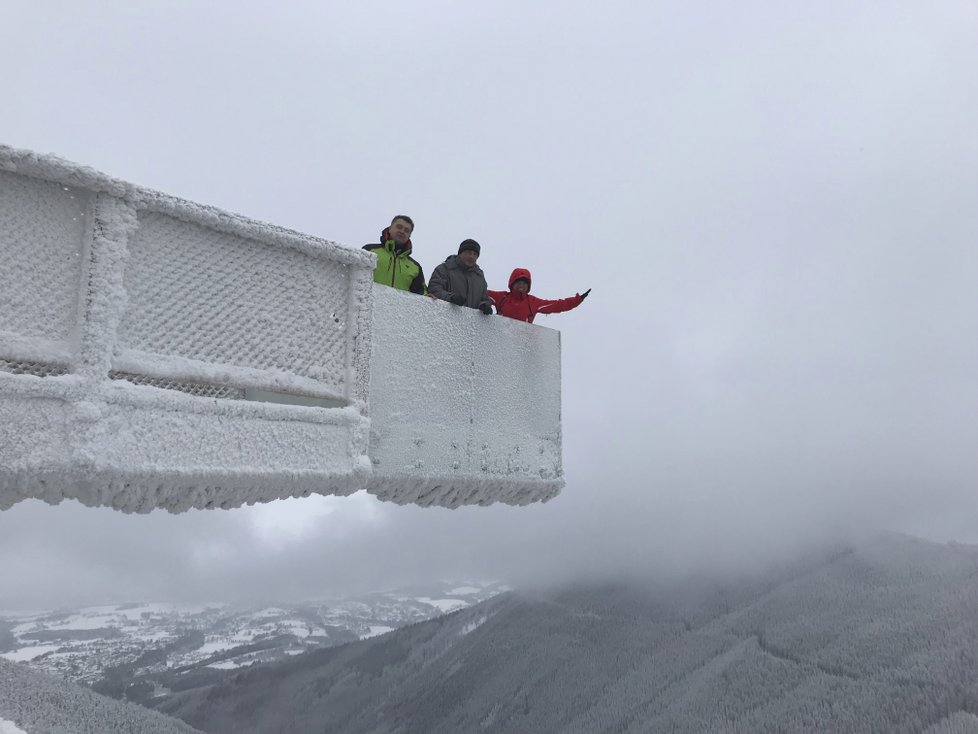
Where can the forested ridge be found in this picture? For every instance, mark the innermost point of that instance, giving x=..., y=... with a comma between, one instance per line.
x=878, y=638
x=39, y=703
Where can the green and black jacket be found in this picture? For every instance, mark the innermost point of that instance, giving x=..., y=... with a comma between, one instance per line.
x=395, y=266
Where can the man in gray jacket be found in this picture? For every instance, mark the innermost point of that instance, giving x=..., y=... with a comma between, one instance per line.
x=460, y=281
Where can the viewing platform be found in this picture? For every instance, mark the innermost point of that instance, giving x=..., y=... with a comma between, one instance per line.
x=157, y=353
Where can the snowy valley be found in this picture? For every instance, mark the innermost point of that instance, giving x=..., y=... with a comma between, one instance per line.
x=139, y=651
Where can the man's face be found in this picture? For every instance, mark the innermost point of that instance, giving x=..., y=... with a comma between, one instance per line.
x=521, y=286
x=468, y=257
x=400, y=231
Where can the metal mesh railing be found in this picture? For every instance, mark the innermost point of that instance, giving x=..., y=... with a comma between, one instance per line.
x=38, y=369
x=199, y=389
x=202, y=294
x=42, y=229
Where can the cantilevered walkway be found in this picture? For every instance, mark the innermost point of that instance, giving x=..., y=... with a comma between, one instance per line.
x=156, y=353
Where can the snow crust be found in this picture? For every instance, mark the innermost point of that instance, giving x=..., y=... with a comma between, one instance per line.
x=444, y=605
x=28, y=653
x=9, y=727
x=472, y=626
x=157, y=353
x=43, y=704
x=112, y=292
x=464, y=590
x=376, y=630
x=464, y=408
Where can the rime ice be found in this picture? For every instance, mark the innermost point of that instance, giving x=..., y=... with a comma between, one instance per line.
x=156, y=353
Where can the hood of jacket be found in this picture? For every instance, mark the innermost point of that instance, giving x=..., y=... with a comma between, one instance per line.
x=386, y=240
x=519, y=273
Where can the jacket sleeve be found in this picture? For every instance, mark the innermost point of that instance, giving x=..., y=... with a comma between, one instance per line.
x=417, y=285
x=438, y=285
x=542, y=305
x=496, y=296
x=484, y=295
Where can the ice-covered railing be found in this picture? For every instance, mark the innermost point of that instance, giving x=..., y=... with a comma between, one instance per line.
x=464, y=408
x=132, y=324
x=159, y=353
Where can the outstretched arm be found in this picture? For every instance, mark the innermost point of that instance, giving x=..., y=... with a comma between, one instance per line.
x=560, y=305
x=496, y=297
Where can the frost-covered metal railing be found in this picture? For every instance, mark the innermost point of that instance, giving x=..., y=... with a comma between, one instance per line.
x=129, y=320
x=464, y=408
x=159, y=353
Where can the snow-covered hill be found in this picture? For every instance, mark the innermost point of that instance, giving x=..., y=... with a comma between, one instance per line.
x=140, y=649
x=32, y=702
x=882, y=638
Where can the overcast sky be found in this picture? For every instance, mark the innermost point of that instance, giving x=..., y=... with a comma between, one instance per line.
x=776, y=205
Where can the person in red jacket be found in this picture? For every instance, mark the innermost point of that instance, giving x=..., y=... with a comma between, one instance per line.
x=518, y=304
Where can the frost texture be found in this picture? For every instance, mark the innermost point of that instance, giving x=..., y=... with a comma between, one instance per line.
x=216, y=298
x=122, y=308
x=156, y=353
x=465, y=408
x=31, y=701
x=960, y=722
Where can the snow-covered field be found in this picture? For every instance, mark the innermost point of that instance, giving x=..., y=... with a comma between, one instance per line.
x=9, y=727
x=81, y=644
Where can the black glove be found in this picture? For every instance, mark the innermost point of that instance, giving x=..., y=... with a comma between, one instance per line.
x=486, y=309
x=458, y=299
x=584, y=294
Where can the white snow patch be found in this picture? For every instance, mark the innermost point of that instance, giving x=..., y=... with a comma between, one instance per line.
x=464, y=590
x=19, y=629
x=148, y=636
x=229, y=664
x=445, y=605
x=9, y=727
x=28, y=653
x=85, y=622
x=152, y=609
x=473, y=625
x=297, y=628
x=376, y=629
x=210, y=648
x=270, y=612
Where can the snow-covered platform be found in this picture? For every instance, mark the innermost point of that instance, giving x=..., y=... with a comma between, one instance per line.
x=156, y=353
x=464, y=408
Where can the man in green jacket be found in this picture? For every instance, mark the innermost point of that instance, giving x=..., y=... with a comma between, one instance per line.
x=395, y=266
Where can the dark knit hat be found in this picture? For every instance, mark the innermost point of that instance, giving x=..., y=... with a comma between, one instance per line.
x=469, y=245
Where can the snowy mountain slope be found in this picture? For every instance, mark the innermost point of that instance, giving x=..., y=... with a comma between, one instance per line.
x=140, y=650
x=883, y=638
x=957, y=723
x=36, y=703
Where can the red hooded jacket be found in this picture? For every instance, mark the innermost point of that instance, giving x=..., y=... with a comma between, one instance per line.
x=523, y=306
